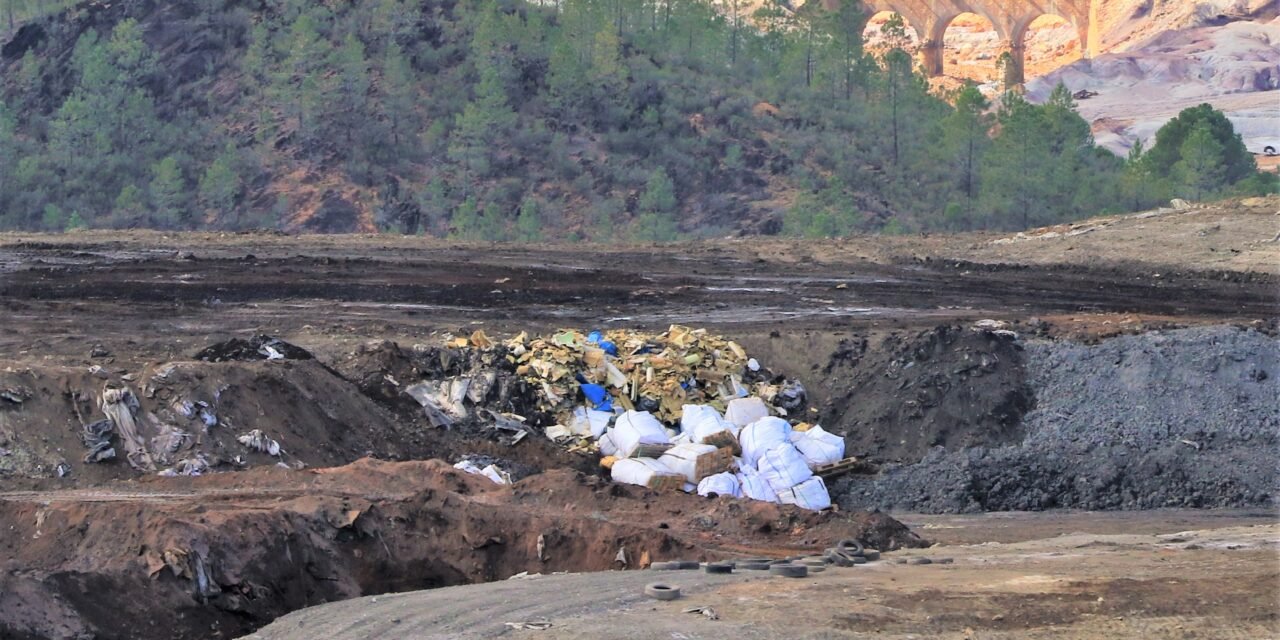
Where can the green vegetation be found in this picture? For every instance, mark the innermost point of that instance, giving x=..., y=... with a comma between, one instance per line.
x=606, y=120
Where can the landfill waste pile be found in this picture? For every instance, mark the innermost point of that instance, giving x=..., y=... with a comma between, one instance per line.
x=681, y=410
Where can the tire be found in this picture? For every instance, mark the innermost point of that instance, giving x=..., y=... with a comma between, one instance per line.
x=921, y=561
x=871, y=555
x=662, y=566
x=823, y=560
x=753, y=566
x=718, y=568
x=859, y=560
x=661, y=591
x=687, y=565
x=817, y=569
x=850, y=546
x=839, y=558
x=789, y=570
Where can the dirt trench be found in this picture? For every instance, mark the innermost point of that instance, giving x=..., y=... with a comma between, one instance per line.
x=221, y=555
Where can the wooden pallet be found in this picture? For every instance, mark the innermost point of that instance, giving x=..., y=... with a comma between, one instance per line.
x=718, y=461
x=846, y=466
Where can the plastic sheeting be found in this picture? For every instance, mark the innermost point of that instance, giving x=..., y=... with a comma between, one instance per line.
x=818, y=446
x=811, y=494
x=761, y=436
x=635, y=428
x=491, y=472
x=721, y=484
x=783, y=467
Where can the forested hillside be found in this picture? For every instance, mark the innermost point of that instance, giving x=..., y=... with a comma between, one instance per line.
x=513, y=120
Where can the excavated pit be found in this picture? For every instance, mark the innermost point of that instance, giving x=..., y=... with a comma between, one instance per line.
x=956, y=412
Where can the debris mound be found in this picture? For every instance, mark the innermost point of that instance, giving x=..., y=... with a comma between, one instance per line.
x=256, y=348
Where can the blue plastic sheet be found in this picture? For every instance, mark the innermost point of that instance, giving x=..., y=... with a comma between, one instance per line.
x=598, y=396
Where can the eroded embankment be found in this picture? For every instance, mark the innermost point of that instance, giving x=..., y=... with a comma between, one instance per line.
x=221, y=555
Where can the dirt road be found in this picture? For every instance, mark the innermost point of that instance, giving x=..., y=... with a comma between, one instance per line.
x=1183, y=575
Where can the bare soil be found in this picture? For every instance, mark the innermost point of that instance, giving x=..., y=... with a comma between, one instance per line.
x=1156, y=574
x=91, y=549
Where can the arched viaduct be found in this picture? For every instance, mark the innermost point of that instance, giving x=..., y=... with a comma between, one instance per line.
x=1011, y=19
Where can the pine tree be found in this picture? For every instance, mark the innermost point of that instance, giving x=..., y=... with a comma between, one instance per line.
x=529, y=221
x=484, y=121
x=1201, y=169
x=965, y=141
x=466, y=220
x=168, y=192
x=399, y=99
x=220, y=185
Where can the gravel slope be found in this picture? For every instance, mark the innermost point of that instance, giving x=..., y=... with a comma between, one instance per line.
x=1180, y=418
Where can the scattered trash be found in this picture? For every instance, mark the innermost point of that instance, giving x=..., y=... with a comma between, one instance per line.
x=491, y=472
x=63, y=469
x=259, y=441
x=255, y=348
x=119, y=406
x=533, y=625
x=15, y=395
x=97, y=437
x=191, y=467
x=705, y=611
x=1083, y=94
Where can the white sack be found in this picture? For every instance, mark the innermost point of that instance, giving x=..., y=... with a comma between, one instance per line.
x=635, y=428
x=810, y=494
x=683, y=459
x=723, y=484
x=783, y=467
x=744, y=411
x=753, y=486
x=589, y=422
x=638, y=471
x=761, y=436
x=818, y=446
x=701, y=422
x=607, y=447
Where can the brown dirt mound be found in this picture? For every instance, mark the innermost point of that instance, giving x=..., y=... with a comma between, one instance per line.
x=221, y=555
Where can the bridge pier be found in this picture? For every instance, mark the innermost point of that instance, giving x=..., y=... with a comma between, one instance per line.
x=1015, y=70
x=931, y=57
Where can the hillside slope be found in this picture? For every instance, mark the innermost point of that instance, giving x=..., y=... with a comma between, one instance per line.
x=512, y=121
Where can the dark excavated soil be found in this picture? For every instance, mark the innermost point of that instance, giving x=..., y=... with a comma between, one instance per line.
x=1185, y=418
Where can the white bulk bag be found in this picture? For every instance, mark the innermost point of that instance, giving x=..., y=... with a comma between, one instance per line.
x=744, y=411
x=702, y=422
x=783, y=467
x=635, y=428
x=810, y=494
x=607, y=447
x=722, y=484
x=683, y=459
x=753, y=486
x=818, y=446
x=762, y=435
x=638, y=471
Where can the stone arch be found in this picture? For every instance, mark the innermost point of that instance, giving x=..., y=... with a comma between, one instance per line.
x=870, y=31
x=946, y=21
x=1025, y=36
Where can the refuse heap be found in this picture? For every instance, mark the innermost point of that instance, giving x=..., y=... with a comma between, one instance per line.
x=681, y=410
